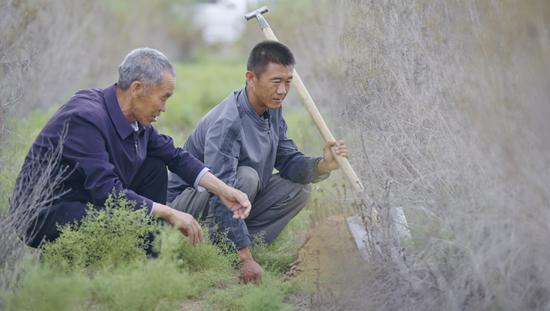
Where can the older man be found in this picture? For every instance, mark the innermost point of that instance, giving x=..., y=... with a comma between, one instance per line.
x=242, y=140
x=109, y=144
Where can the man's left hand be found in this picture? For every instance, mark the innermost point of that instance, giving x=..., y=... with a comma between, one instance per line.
x=329, y=163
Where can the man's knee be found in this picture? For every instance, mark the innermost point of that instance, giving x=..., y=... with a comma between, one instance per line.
x=151, y=180
x=304, y=193
x=44, y=225
x=302, y=196
x=248, y=181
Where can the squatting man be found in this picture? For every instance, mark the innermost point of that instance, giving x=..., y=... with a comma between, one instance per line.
x=241, y=140
x=109, y=144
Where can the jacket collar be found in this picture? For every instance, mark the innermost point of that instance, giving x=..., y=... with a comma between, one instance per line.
x=243, y=102
x=122, y=125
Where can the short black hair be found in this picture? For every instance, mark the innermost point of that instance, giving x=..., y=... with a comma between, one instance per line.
x=267, y=52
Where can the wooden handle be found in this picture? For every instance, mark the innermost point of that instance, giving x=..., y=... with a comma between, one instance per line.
x=319, y=121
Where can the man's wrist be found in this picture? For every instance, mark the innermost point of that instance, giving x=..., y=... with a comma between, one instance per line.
x=161, y=211
x=213, y=184
x=245, y=254
x=322, y=167
x=201, y=174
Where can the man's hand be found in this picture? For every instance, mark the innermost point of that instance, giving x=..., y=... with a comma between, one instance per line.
x=328, y=163
x=234, y=199
x=237, y=201
x=250, y=269
x=184, y=222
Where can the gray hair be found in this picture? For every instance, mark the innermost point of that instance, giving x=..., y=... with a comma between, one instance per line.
x=143, y=64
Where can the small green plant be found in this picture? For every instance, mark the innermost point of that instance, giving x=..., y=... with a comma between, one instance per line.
x=210, y=265
x=112, y=236
x=45, y=288
x=143, y=286
x=267, y=296
x=278, y=256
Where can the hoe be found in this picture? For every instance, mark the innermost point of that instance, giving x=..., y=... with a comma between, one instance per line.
x=363, y=240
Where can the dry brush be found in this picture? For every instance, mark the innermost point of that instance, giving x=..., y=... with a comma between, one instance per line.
x=445, y=105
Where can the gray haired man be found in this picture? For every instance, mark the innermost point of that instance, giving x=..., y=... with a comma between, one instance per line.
x=110, y=143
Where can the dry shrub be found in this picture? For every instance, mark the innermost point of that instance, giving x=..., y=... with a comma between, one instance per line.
x=445, y=106
x=34, y=192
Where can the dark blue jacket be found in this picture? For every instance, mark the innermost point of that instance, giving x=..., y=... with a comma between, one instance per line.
x=102, y=151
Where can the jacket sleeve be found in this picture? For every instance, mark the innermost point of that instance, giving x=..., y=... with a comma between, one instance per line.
x=294, y=165
x=221, y=155
x=178, y=160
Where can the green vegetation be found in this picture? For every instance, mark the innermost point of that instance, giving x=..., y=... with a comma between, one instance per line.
x=102, y=264
x=199, y=87
x=14, y=150
x=119, y=237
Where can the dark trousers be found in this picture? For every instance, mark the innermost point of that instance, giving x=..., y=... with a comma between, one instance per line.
x=272, y=208
x=151, y=181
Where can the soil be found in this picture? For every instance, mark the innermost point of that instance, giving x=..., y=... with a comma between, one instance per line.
x=332, y=268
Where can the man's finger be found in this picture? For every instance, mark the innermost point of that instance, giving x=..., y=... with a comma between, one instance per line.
x=201, y=236
x=242, y=212
x=191, y=234
x=195, y=233
x=239, y=212
x=244, y=201
x=331, y=143
x=247, y=211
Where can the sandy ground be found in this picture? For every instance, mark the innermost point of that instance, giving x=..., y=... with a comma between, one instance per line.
x=332, y=267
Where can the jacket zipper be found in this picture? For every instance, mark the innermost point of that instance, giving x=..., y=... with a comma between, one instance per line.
x=136, y=142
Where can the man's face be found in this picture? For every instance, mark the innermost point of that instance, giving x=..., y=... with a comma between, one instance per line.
x=149, y=102
x=271, y=88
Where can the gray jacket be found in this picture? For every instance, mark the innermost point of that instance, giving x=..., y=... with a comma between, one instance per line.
x=231, y=135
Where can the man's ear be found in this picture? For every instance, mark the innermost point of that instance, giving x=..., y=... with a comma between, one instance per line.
x=250, y=78
x=136, y=88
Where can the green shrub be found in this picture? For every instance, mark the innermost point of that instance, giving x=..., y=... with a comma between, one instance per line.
x=142, y=286
x=267, y=296
x=45, y=288
x=115, y=235
x=205, y=256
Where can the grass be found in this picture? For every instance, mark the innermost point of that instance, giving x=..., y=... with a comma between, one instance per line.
x=199, y=87
x=82, y=269
x=14, y=150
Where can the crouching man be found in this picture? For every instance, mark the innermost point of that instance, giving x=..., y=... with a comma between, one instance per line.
x=109, y=143
x=242, y=139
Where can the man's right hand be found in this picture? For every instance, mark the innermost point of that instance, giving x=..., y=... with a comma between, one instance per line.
x=184, y=222
x=234, y=199
x=250, y=269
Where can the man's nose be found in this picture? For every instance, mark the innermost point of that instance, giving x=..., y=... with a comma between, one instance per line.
x=282, y=89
